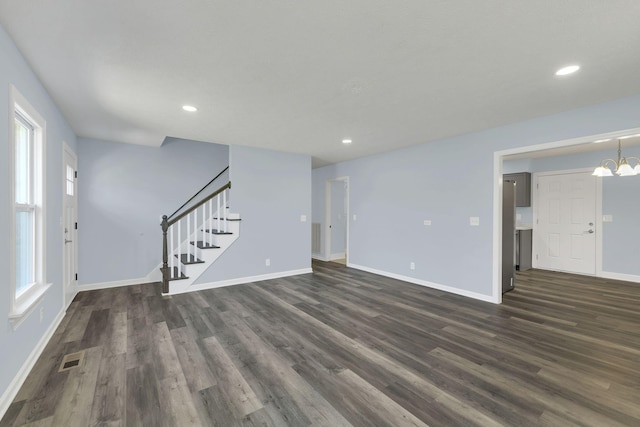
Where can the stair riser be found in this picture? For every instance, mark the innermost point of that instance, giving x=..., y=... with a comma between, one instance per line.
x=209, y=256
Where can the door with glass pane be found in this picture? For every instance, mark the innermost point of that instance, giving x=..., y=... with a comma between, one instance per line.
x=69, y=224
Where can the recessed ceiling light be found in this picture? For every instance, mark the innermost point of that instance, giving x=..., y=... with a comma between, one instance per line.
x=601, y=140
x=567, y=70
x=346, y=141
x=189, y=108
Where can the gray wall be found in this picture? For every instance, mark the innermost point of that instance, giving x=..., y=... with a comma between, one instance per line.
x=270, y=190
x=17, y=345
x=447, y=182
x=123, y=190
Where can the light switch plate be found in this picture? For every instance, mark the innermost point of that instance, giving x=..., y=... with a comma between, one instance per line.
x=607, y=218
x=427, y=222
x=474, y=220
x=303, y=218
x=518, y=217
x=354, y=217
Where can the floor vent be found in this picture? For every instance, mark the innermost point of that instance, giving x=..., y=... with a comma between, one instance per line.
x=71, y=361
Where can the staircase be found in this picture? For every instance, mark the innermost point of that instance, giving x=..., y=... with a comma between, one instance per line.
x=194, y=239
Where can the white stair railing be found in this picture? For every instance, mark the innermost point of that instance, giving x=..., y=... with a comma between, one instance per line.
x=195, y=222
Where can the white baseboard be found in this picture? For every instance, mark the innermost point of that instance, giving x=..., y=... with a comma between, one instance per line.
x=115, y=284
x=319, y=257
x=155, y=275
x=339, y=255
x=619, y=276
x=464, y=293
x=242, y=280
x=14, y=387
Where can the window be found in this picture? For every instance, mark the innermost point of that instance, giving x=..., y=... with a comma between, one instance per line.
x=69, y=180
x=28, y=216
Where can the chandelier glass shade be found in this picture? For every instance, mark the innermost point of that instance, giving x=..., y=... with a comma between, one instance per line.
x=621, y=167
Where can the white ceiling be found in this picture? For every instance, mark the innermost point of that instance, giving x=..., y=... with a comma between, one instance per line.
x=300, y=76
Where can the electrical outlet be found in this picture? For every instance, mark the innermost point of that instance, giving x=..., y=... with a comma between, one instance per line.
x=303, y=218
x=412, y=266
x=41, y=314
x=607, y=218
x=427, y=222
x=267, y=262
x=474, y=220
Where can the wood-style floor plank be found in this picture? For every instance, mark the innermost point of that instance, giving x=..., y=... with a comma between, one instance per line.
x=343, y=347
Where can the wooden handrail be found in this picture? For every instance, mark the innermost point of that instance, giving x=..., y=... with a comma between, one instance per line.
x=172, y=221
x=199, y=191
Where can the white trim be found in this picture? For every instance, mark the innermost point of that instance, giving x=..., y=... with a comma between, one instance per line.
x=327, y=216
x=319, y=257
x=14, y=387
x=498, y=157
x=22, y=310
x=497, y=227
x=154, y=275
x=242, y=280
x=598, y=217
x=114, y=284
x=620, y=276
x=339, y=255
x=450, y=289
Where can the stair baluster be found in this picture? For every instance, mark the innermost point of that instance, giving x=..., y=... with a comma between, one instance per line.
x=173, y=264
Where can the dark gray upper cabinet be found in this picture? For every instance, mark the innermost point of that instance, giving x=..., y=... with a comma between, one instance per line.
x=523, y=187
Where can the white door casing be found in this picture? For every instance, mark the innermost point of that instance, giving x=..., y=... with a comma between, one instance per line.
x=338, y=219
x=69, y=224
x=565, y=226
x=331, y=215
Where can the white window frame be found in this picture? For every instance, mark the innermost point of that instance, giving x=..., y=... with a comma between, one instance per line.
x=23, y=304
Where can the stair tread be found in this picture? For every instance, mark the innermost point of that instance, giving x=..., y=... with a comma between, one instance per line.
x=189, y=259
x=204, y=245
x=228, y=219
x=214, y=231
x=177, y=275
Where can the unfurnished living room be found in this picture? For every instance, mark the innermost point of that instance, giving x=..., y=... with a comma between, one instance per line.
x=360, y=213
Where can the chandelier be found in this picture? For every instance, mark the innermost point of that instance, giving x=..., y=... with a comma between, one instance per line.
x=621, y=166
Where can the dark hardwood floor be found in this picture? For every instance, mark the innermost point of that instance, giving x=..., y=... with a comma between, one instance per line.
x=343, y=347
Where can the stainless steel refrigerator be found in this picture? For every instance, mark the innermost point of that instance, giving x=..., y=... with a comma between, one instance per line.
x=508, y=235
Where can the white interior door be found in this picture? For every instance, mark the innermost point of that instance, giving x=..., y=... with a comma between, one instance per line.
x=69, y=224
x=565, y=231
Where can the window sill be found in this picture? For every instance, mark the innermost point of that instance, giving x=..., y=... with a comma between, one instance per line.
x=20, y=312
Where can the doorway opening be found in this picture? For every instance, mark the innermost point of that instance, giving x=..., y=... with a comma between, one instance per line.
x=337, y=220
x=556, y=148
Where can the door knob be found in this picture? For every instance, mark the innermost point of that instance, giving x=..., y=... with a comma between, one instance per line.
x=589, y=231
